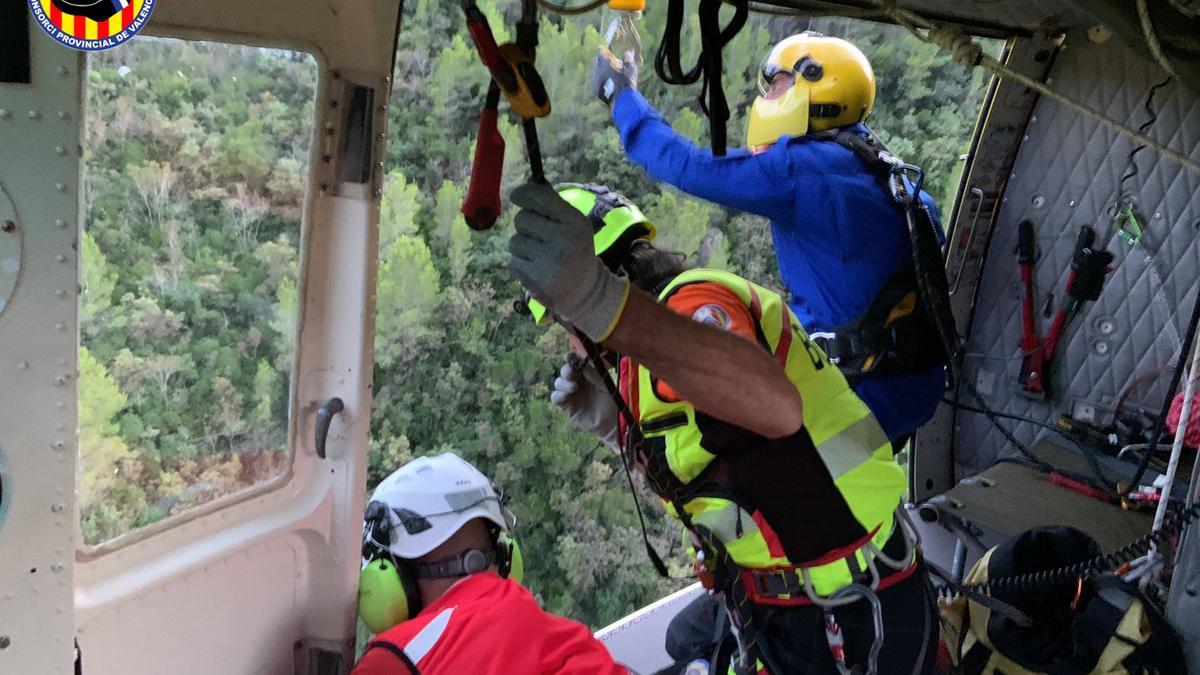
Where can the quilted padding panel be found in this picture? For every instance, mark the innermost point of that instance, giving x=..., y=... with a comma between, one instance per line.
x=1067, y=174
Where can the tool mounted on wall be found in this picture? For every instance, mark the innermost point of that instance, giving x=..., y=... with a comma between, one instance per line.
x=1086, y=279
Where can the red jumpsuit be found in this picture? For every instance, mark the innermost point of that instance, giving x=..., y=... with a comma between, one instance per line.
x=486, y=625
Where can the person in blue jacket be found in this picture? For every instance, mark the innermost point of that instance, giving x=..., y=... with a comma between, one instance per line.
x=841, y=240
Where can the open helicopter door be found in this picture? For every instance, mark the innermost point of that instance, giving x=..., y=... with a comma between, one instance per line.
x=210, y=571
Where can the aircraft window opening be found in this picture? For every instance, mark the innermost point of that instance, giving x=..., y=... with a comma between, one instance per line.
x=459, y=368
x=196, y=161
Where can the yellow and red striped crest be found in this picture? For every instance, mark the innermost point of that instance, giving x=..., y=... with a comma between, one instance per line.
x=81, y=32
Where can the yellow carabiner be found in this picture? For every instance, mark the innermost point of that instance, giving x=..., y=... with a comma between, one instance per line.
x=529, y=99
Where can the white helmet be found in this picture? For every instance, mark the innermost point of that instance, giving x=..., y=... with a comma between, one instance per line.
x=428, y=500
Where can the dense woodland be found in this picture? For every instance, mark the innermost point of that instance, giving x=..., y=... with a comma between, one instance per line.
x=197, y=157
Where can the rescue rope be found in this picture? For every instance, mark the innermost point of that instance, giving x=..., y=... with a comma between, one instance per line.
x=709, y=67
x=1152, y=42
x=1188, y=8
x=970, y=54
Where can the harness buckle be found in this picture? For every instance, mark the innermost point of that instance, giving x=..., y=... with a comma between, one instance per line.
x=827, y=342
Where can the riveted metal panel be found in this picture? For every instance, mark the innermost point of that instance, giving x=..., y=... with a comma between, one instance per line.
x=39, y=224
x=1068, y=174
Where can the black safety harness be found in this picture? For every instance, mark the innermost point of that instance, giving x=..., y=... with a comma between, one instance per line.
x=908, y=327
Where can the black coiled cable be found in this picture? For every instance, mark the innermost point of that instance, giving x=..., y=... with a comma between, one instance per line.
x=1034, y=581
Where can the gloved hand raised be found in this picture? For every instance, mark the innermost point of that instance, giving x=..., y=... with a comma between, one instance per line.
x=579, y=393
x=610, y=77
x=553, y=256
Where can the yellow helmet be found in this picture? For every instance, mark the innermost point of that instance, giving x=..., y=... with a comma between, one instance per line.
x=810, y=82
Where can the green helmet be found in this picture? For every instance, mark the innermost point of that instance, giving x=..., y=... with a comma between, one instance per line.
x=616, y=221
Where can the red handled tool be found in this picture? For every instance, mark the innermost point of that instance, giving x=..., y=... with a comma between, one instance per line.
x=482, y=205
x=514, y=75
x=1084, y=283
x=1032, y=366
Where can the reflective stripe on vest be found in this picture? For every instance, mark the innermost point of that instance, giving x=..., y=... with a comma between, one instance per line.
x=423, y=642
x=852, y=446
x=847, y=437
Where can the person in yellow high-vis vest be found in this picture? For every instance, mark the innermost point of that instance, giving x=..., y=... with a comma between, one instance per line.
x=744, y=428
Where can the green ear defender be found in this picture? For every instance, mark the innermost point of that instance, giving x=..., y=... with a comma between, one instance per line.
x=512, y=563
x=384, y=596
x=388, y=593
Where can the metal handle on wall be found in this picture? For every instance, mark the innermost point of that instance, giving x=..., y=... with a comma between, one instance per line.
x=325, y=418
x=966, y=248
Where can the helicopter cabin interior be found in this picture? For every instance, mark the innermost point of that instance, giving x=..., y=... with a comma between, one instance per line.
x=263, y=580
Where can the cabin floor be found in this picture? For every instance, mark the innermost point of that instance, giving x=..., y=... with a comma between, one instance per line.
x=1009, y=498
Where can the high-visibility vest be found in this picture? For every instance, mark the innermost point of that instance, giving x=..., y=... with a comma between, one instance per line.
x=683, y=445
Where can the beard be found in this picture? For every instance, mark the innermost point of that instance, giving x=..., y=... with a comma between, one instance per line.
x=96, y=10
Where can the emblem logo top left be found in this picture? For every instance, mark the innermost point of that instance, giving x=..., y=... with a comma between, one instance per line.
x=91, y=25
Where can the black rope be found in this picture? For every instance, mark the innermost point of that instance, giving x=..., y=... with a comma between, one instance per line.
x=667, y=59
x=1088, y=453
x=709, y=64
x=634, y=437
x=1152, y=117
x=1033, y=459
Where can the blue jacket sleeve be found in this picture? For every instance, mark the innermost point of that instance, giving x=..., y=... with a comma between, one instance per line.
x=762, y=184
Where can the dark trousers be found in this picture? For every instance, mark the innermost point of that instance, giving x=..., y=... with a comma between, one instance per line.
x=795, y=639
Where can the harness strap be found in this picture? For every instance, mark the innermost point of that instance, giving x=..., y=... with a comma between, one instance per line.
x=897, y=333
x=793, y=586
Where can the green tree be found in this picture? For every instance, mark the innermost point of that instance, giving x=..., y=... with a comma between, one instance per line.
x=99, y=445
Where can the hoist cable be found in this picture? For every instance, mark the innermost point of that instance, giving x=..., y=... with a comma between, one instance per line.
x=969, y=54
x=633, y=437
x=568, y=10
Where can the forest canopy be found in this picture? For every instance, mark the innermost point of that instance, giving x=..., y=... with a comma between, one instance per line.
x=197, y=159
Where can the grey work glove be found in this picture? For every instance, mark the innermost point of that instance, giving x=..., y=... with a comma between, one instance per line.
x=583, y=397
x=553, y=256
x=610, y=77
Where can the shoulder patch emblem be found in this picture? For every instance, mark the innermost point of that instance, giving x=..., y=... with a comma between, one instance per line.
x=713, y=315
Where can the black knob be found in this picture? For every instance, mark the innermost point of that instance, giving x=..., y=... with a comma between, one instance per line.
x=324, y=418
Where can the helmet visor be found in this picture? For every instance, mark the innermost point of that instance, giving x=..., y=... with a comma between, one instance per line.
x=774, y=81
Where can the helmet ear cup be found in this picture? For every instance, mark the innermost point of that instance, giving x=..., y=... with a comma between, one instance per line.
x=509, y=560
x=387, y=595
